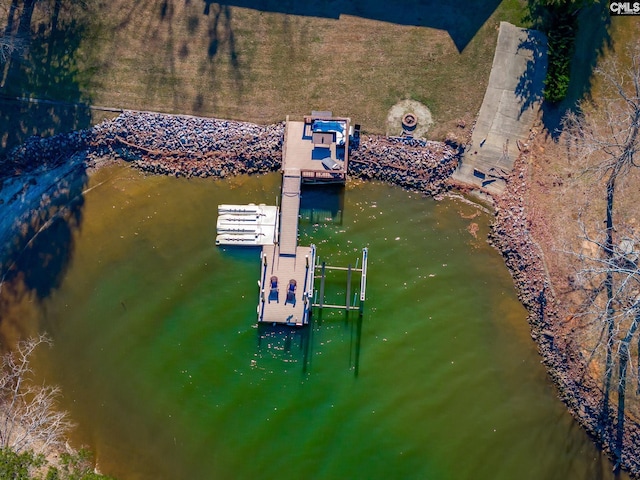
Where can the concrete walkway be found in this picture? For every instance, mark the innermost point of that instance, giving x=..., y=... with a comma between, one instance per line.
x=509, y=108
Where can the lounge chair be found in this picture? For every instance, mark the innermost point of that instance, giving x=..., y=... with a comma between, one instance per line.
x=330, y=164
x=273, y=291
x=291, y=292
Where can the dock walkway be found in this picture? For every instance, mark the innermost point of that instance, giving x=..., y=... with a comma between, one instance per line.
x=289, y=211
x=287, y=262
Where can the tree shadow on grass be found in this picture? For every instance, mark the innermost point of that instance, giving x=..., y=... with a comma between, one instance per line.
x=45, y=69
x=20, y=120
x=461, y=20
x=221, y=31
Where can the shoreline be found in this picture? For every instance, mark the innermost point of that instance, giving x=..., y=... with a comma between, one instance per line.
x=42, y=174
x=511, y=236
x=189, y=147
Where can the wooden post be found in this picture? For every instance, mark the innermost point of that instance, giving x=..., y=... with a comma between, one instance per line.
x=348, y=296
x=324, y=264
x=363, y=278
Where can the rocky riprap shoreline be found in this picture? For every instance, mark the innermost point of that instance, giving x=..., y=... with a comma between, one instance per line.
x=510, y=234
x=203, y=147
x=424, y=166
x=38, y=153
x=157, y=143
x=190, y=146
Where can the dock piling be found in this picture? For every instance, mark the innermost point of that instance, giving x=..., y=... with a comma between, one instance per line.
x=348, y=295
x=322, y=277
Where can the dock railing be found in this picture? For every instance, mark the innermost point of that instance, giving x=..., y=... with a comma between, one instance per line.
x=323, y=176
x=309, y=283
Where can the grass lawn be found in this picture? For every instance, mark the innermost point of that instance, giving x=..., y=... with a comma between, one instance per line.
x=205, y=59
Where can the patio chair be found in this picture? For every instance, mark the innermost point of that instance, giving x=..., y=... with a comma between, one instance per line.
x=274, y=290
x=291, y=291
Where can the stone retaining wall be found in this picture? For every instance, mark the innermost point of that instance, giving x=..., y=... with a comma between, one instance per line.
x=202, y=147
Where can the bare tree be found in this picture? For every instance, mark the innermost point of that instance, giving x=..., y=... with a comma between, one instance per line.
x=614, y=271
x=619, y=268
x=29, y=417
x=11, y=46
x=605, y=139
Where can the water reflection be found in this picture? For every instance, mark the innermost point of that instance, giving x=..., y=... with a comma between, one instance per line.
x=285, y=343
x=46, y=214
x=439, y=378
x=322, y=204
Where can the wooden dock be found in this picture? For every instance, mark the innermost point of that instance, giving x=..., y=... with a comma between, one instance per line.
x=280, y=306
x=287, y=262
x=315, y=151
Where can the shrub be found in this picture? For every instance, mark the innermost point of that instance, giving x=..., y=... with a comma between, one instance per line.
x=558, y=20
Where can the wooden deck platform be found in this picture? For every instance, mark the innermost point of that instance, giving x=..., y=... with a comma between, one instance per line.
x=276, y=306
x=314, y=153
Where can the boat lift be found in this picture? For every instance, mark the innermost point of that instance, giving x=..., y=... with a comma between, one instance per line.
x=319, y=302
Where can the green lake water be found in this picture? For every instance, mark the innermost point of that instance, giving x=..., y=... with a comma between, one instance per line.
x=167, y=375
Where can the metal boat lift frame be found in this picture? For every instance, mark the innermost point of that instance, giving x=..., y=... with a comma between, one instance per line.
x=363, y=284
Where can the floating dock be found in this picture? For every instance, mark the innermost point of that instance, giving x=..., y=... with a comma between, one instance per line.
x=315, y=150
x=247, y=225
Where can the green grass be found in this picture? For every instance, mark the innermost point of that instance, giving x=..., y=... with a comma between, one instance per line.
x=261, y=66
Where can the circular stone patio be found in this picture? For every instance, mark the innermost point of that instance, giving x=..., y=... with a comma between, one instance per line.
x=394, y=118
